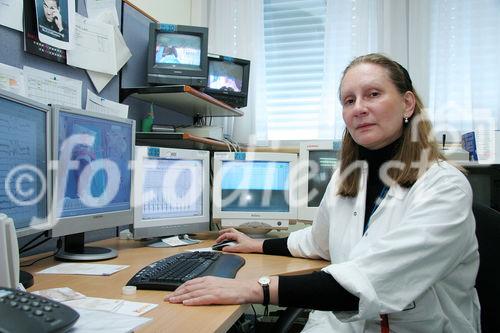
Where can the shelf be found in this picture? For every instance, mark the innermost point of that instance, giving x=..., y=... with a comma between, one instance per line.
x=178, y=140
x=182, y=99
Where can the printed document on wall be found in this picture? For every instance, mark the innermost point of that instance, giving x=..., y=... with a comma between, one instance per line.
x=11, y=14
x=94, y=47
x=49, y=88
x=11, y=79
x=55, y=21
x=104, y=106
x=123, y=54
x=98, y=8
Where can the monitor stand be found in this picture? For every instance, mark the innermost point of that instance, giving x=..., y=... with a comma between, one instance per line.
x=26, y=279
x=74, y=249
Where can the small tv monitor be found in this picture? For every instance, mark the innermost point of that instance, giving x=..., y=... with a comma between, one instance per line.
x=228, y=80
x=93, y=178
x=318, y=160
x=172, y=192
x=177, y=54
x=25, y=151
x=254, y=192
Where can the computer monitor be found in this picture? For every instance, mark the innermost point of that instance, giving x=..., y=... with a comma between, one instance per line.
x=172, y=192
x=177, y=54
x=93, y=178
x=317, y=162
x=254, y=192
x=228, y=79
x=25, y=178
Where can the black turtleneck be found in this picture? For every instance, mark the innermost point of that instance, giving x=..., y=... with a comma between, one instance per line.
x=375, y=159
x=319, y=290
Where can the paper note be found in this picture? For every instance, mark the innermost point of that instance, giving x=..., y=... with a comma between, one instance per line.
x=97, y=9
x=11, y=79
x=11, y=14
x=103, y=321
x=102, y=105
x=83, y=269
x=55, y=22
x=94, y=47
x=49, y=88
x=112, y=305
x=60, y=294
x=176, y=241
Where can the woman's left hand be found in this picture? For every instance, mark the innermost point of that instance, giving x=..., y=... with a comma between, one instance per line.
x=214, y=290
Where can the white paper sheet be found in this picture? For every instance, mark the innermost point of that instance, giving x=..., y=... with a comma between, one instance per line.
x=63, y=294
x=112, y=305
x=102, y=105
x=83, y=269
x=94, y=47
x=49, y=88
x=56, y=23
x=98, y=8
x=11, y=79
x=123, y=54
x=91, y=321
x=11, y=14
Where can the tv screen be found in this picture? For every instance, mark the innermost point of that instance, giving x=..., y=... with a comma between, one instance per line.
x=225, y=76
x=178, y=50
x=177, y=54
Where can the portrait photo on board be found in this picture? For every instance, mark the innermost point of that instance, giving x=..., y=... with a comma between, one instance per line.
x=54, y=18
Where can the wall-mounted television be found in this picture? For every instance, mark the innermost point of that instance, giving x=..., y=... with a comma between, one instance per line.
x=177, y=54
x=228, y=79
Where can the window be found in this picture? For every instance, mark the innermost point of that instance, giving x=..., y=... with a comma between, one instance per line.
x=294, y=32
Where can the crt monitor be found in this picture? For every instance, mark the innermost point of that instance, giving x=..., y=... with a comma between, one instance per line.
x=93, y=178
x=177, y=54
x=172, y=192
x=254, y=192
x=228, y=80
x=25, y=178
x=318, y=160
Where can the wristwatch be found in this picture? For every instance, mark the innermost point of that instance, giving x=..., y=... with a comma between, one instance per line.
x=264, y=282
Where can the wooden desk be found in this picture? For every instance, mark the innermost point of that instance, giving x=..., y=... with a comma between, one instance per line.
x=166, y=317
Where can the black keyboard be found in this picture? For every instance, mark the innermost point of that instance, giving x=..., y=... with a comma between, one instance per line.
x=169, y=273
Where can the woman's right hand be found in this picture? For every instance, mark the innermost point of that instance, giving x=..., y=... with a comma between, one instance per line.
x=244, y=244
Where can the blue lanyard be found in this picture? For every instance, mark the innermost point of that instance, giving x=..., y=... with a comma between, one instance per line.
x=377, y=202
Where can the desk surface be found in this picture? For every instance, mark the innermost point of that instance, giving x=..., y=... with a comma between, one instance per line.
x=166, y=317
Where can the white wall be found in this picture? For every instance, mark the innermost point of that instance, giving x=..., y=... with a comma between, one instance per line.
x=167, y=11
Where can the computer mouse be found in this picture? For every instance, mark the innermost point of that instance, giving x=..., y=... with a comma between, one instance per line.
x=219, y=246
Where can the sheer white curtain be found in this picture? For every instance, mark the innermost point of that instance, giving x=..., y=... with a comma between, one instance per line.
x=458, y=56
x=236, y=29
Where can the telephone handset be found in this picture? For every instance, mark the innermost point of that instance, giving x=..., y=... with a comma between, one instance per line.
x=9, y=253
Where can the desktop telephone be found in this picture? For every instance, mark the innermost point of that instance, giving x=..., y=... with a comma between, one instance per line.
x=23, y=312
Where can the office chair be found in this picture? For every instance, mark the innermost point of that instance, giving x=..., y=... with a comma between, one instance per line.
x=488, y=277
x=487, y=281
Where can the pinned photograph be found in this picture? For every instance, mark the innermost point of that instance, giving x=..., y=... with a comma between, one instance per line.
x=55, y=19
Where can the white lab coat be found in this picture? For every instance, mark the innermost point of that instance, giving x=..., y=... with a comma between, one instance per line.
x=417, y=261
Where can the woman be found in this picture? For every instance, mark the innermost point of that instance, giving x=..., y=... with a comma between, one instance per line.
x=396, y=223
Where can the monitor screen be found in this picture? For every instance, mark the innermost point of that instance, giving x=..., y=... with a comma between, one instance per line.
x=101, y=182
x=24, y=154
x=318, y=161
x=225, y=76
x=254, y=191
x=172, y=195
x=178, y=195
x=322, y=164
x=255, y=186
x=178, y=50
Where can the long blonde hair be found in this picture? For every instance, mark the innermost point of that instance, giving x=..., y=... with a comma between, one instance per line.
x=417, y=141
